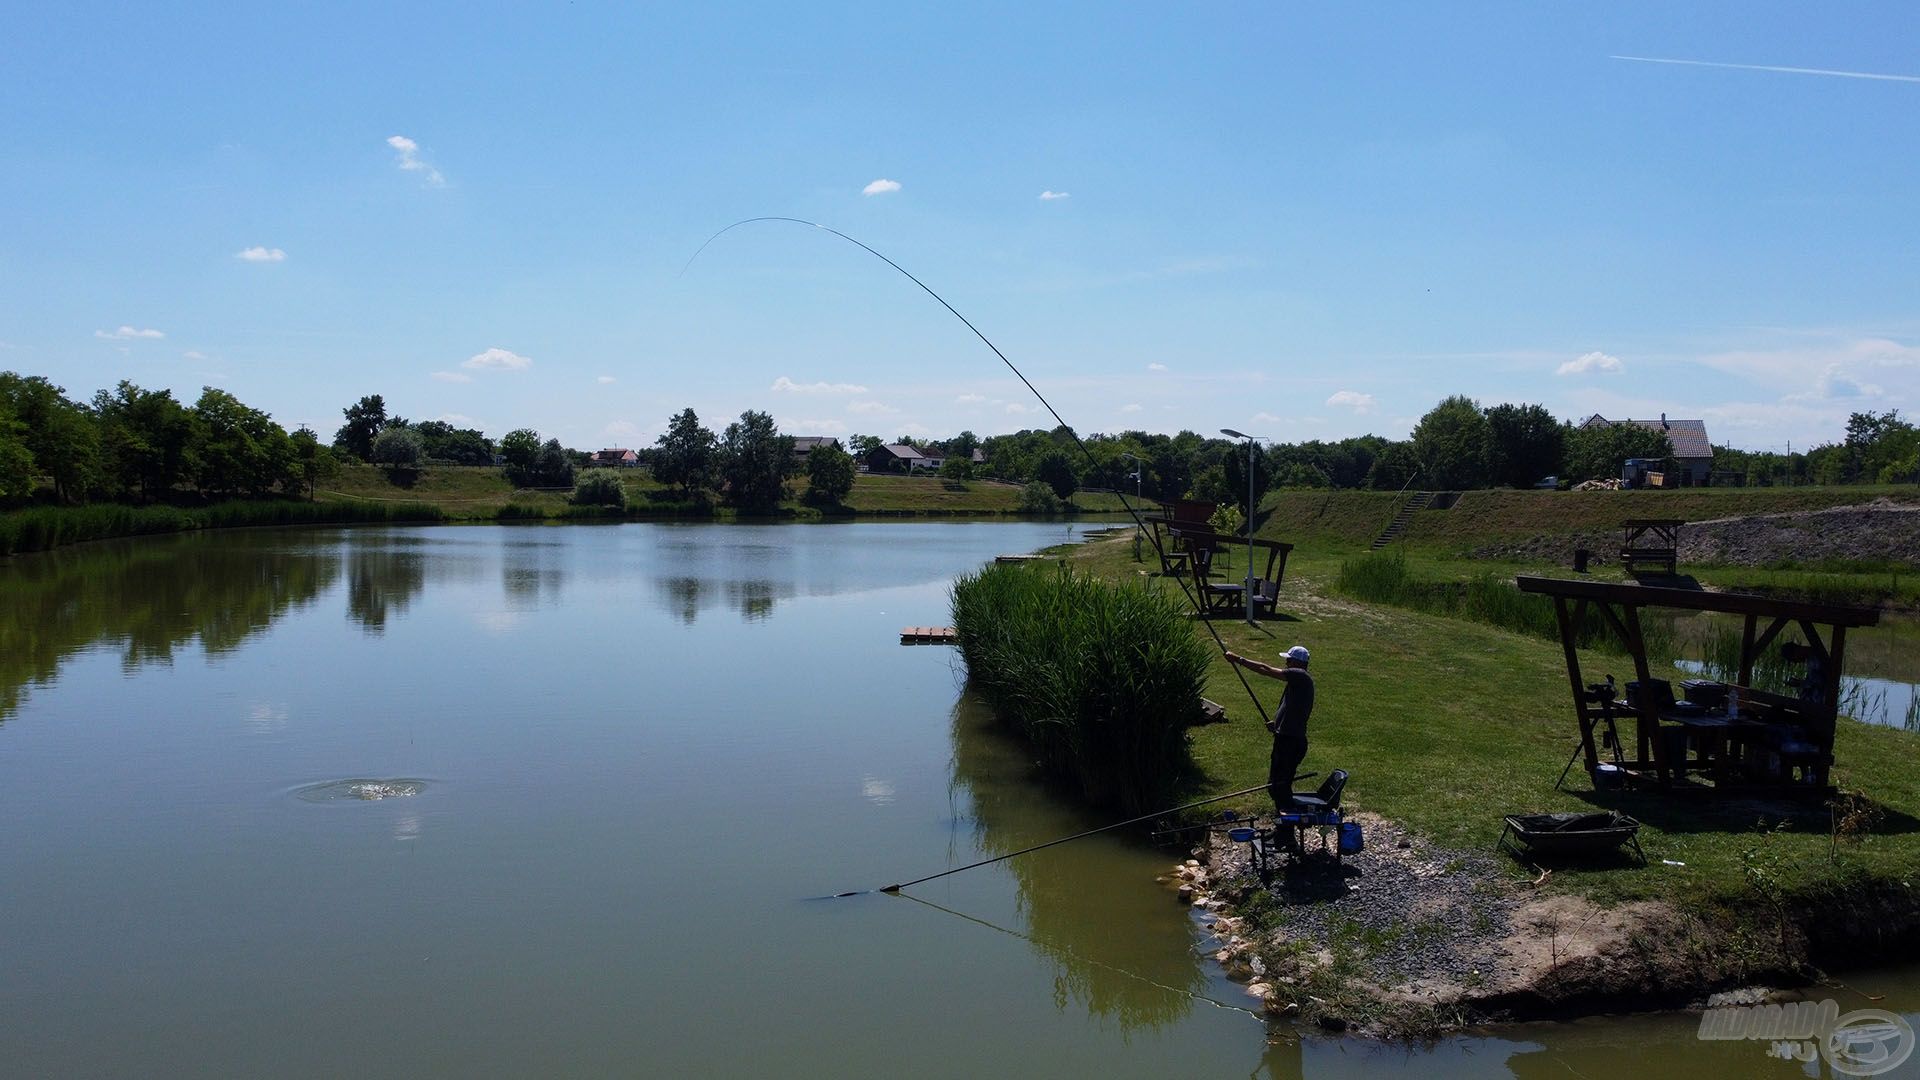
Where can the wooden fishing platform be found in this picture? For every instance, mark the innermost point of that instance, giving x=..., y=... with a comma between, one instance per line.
x=1019, y=558
x=929, y=635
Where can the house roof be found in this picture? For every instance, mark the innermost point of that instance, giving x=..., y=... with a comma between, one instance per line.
x=1689, y=437
x=904, y=452
x=613, y=455
x=806, y=443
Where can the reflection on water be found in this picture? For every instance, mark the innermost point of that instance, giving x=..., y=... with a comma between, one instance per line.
x=381, y=582
x=148, y=598
x=1132, y=978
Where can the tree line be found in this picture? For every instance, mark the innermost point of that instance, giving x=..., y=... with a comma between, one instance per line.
x=134, y=444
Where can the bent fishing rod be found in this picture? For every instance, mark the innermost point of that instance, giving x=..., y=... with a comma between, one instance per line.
x=1192, y=601
x=1052, y=843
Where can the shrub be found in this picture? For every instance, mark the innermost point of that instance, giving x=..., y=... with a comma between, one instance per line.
x=1101, y=680
x=829, y=474
x=1038, y=498
x=600, y=487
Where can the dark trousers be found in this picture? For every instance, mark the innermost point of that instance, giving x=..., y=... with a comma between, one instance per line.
x=1288, y=752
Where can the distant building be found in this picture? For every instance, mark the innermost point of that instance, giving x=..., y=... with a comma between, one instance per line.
x=807, y=444
x=613, y=459
x=898, y=457
x=1691, y=448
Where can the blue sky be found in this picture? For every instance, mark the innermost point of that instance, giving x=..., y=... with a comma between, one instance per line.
x=1300, y=222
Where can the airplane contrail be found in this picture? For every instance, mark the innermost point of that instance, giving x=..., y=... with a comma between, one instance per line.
x=1769, y=67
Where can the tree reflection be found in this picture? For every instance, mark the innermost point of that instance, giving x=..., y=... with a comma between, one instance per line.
x=1093, y=934
x=382, y=581
x=148, y=598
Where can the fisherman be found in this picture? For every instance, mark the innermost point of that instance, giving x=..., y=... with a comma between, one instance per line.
x=1289, y=723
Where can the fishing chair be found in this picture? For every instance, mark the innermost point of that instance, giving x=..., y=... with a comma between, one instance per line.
x=1318, y=811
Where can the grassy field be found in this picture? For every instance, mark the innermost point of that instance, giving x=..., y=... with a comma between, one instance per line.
x=1447, y=724
x=475, y=492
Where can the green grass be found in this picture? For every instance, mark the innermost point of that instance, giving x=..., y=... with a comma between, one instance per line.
x=1447, y=724
x=482, y=493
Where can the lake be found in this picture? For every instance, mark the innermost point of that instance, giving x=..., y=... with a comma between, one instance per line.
x=623, y=763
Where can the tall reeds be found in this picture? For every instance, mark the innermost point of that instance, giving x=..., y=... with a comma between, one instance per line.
x=1101, y=680
x=1383, y=577
x=43, y=528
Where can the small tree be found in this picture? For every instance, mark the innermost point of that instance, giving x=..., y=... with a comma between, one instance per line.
x=755, y=461
x=1057, y=473
x=554, y=466
x=1525, y=443
x=397, y=448
x=1451, y=441
x=829, y=474
x=957, y=468
x=365, y=418
x=684, y=455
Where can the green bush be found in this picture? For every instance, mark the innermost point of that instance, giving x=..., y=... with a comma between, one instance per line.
x=600, y=487
x=1101, y=680
x=1038, y=498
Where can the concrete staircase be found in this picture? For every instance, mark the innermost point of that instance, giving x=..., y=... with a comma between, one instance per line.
x=1399, y=523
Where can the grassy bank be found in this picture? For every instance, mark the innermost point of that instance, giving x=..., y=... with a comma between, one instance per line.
x=1448, y=723
x=48, y=527
x=1100, y=679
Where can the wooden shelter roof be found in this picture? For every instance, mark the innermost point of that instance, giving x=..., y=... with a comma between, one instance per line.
x=1696, y=600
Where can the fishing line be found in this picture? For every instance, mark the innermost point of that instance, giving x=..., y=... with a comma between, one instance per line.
x=1068, y=951
x=1159, y=551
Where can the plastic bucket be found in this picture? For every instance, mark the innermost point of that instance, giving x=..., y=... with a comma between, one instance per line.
x=1607, y=777
x=1352, y=840
x=1241, y=835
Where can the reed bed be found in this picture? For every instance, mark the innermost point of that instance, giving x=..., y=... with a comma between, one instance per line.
x=43, y=528
x=1100, y=679
x=1383, y=577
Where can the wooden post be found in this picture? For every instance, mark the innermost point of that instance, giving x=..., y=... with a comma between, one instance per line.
x=1647, y=725
x=1747, y=655
x=1567, y=631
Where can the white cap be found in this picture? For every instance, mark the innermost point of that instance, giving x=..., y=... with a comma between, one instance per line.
x=1298, y=652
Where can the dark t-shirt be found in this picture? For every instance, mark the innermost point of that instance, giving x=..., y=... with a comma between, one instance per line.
x=1296, y=704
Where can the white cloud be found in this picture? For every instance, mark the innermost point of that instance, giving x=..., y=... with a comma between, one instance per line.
x=882, y=186
x=872, y=407
x=458, y=419
x=623, y=429
x=1352, y=399
x=1589, y=362
x=497, y=359
x=1268, y=418
x=261, y=254
x=1156, y=366
x=193, y=354
x=128, y=333
x=1049, y=196
x=822, y=427
x=784, y=385
x=410, y=160
x=1129, y=408
x=451, y=376
x=969, y=399
x=605, y=380
x=913, y=429
x=1017, y=407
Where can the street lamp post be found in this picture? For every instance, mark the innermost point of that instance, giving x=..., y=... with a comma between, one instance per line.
x=1138, y=529
x=1246, y=598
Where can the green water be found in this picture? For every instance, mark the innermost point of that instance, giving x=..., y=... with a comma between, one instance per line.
x=560, y=801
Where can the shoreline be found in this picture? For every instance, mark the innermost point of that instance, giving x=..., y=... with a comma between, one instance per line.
x=1410, y=941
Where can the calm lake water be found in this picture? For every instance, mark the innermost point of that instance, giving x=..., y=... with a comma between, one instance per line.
x=636, y=752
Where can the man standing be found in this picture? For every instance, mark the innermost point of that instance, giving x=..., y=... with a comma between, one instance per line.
x=1289, y=723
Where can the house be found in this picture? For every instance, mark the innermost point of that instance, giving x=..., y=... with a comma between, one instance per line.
x=1691, y=449
x=898, y=457
x=613, y=459
x=807, y=444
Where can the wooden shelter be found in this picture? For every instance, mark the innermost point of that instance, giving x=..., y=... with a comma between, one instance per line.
x=1651, y=542
x=1755, y=739
x=1188, y=549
